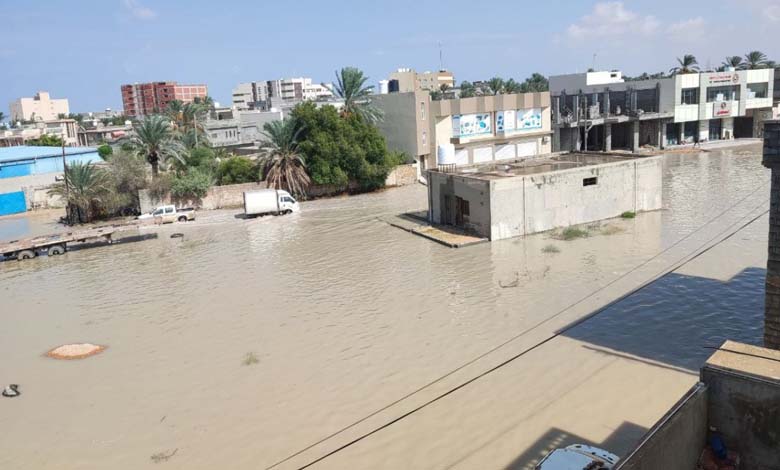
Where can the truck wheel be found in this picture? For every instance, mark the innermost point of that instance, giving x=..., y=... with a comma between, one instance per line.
x=288, y=212
x=55, y=250
x=25, y=254
x=183, y=218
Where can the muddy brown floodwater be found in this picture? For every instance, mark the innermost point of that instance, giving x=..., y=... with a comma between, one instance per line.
x=245, y=343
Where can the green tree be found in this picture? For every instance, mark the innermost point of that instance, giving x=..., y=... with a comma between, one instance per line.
x=2, y=116
x=128, y=175
x=340, y=151
x=511, y=86
x=733, y=61
x=467, y=89
x=194, y=184
x=535, y=83
x=46, y=140
x=237, y=170
x=105, y=151
x=495, y=86
x=686, y=64
x=283, y=165
x=154, y=139
x=200, y=157
x=755, y=60
x=84, y=189
x=351, y=87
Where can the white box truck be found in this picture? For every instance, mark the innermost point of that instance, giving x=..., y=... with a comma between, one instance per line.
x=269, y=201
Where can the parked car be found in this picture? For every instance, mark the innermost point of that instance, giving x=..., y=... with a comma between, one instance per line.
x=168, y=214
x=578, y=457
x=269, y=201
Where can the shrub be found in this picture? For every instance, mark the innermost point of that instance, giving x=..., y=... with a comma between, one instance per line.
x=570, y=233
x=160, y=187
x=551, y=249
x=628, y=215
x=237, y=170
x=192, y=185
x=105, y=151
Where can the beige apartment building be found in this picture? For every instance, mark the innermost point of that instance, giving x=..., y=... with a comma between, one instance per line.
x=466, y=131
x=406, y=80
x=40, y=107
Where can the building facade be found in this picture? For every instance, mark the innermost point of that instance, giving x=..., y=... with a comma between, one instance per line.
x=602, y=111
x=406, y=80
x=260, y=95
x=468, y=130
x=142, y=99
x=40, y=107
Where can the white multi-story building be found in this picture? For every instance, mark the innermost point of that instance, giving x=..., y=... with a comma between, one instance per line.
x=41, y=107
x=603, y=111
x=258, y=95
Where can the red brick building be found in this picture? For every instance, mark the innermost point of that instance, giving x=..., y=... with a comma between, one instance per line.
x=141, y=99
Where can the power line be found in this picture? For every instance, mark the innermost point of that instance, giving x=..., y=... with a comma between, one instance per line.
x=519, y=335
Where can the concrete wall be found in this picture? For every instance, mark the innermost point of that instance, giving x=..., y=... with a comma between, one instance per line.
x=402, y=175
x=559, y=199
x=443, y=187
x=744, y=402
x=405, y=121
x=677, y=440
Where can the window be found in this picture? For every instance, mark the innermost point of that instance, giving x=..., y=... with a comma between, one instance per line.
x=466, y=207
x=722, y=93
x=690, y=96
x=758, y=90
x=422, y=111
x=590, y=181
x=424, y=138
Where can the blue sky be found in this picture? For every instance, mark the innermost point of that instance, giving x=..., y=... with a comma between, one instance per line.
x=85, y=49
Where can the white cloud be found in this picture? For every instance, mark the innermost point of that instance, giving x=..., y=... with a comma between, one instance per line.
x=766, y=10
x=690, y=30
x=612, y=19
x=139, y=11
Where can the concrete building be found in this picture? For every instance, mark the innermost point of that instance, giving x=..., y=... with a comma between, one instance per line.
x=602, y=111
x=40, y=107
x=499, y=200
x=406, y=80
x=141, y=99
x=479, y=129
x=234, y=128
x=23, y=170
x=259, y=95
x=65, y=129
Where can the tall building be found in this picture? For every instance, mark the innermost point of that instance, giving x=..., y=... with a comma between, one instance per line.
x=41, y=107
x=141, y=99
x=406, y=80
x=259, y=95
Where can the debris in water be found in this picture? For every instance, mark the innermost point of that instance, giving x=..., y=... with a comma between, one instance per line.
x=11, y=391
x=514, y=283
x=75, y=351
x=250, y=359
x=163, y=456
x=177, y=235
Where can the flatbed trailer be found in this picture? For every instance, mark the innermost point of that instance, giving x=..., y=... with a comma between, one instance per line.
x=57, y=244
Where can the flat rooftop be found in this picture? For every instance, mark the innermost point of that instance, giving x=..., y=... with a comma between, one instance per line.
x=525, y=167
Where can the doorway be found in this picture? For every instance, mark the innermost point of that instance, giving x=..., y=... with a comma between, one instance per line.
x=716, y=127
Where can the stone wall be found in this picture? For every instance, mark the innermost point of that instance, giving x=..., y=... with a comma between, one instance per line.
x=402, y=175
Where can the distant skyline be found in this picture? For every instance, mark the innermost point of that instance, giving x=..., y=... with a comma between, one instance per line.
x=84, y=50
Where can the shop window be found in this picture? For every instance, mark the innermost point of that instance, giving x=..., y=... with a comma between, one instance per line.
x=722, y=93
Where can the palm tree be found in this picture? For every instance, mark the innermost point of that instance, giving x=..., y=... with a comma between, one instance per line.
x=351, y=87
x=84, y=188
x=155, y=139
x=173, y=111
x=733, y=61
x=688, y=64
x=511, y=86
x=535, y=83
x=755, y=60
x=467, y=89
x=2, y=116
x=283, y=165
x=495, y=86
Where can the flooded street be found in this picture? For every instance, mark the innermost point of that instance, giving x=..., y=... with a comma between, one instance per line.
x=246, y=343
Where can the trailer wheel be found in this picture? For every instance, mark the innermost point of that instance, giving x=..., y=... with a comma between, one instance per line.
x=55, y=250
x=183, y=218
x=25, y=254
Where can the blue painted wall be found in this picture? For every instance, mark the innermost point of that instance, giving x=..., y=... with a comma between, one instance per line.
x=24, y=161
x=12, y=171
x=12, y=203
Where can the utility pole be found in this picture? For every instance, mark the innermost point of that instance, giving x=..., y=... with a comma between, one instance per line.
x=65, y=180
x=441, y=58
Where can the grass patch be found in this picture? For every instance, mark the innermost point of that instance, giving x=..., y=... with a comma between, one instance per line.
x=250, y=359
x=628, y=215
x=163, y=456
x=571, y=233
x=551, y=249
